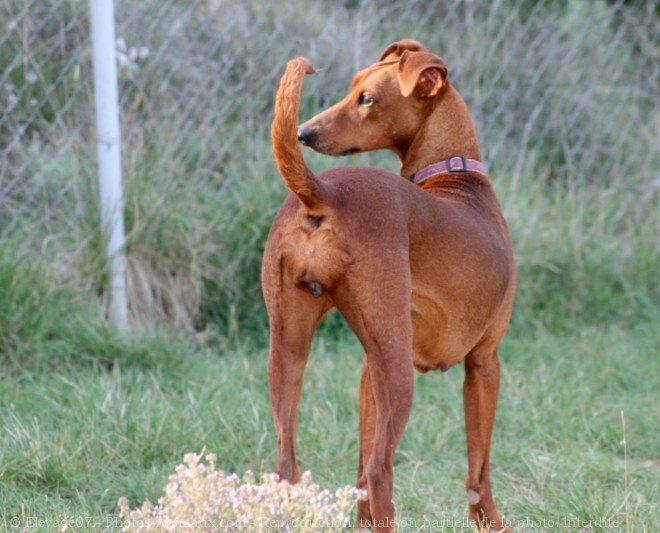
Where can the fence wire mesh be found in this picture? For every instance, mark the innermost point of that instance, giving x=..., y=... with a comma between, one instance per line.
x=560, y=90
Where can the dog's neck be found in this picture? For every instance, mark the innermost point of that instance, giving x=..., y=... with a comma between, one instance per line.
x=448, y=131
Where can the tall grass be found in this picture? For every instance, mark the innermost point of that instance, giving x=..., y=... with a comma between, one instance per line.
x=566, y=117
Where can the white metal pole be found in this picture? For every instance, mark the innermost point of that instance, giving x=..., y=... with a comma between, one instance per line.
x=109, y=154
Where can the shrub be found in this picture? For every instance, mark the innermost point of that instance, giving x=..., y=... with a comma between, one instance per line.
x=198, y=495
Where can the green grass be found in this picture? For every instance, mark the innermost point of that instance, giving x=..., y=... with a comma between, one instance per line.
x=77, y=437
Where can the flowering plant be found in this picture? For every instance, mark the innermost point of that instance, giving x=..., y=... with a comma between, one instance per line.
x=199, y=496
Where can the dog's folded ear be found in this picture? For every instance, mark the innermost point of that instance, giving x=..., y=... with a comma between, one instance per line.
x=421, y=71
x=397, y=49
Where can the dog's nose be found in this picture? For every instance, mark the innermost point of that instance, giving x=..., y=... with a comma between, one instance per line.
x=305, y=135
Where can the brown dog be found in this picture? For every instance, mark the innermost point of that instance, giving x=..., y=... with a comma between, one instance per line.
x=420, y=267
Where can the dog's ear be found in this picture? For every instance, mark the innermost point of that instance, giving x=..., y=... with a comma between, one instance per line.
x=423, y=71
x=397, y=49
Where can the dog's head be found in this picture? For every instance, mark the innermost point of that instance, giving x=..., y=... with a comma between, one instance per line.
x=385, y=107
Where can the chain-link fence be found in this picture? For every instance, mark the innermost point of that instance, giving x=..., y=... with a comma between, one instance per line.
x=560, y=90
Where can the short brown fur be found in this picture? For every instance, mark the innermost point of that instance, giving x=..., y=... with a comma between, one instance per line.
x=424, y=276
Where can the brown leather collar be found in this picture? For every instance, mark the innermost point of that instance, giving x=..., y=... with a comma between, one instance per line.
x=454, y=163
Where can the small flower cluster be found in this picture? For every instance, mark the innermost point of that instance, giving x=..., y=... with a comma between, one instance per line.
x=200, y=497
x=128, y=58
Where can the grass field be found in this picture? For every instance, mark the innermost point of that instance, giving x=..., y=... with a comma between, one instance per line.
x=79, y=435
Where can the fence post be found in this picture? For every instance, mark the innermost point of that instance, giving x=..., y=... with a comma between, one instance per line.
x=109, y=154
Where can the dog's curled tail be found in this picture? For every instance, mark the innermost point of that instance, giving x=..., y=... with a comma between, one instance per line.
x=284, y=133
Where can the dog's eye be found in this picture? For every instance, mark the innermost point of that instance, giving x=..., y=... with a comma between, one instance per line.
x=366, y=100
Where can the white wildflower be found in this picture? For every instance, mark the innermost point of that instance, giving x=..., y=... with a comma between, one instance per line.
x=198, y=492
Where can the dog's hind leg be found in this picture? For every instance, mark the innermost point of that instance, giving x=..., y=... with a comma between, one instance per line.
x=391, y=379
x=380, y=316
x=294, y=315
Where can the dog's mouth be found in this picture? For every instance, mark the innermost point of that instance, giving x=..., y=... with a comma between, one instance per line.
x=351, y=151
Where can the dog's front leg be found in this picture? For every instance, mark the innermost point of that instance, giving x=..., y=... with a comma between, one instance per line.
x=367, y=431
x=480, y=391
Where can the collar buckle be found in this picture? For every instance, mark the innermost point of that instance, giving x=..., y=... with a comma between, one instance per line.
x=456, y=163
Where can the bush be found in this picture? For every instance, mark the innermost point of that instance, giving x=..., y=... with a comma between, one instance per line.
x=199, y=496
